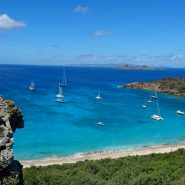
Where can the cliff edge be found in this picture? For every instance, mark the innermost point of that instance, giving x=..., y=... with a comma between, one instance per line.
x=11, y=118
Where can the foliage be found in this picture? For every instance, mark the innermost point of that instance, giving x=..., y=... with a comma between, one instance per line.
x=11, y=106
x=182, y=89
x=12, y=109
x=154, y=169
x=10, y=103
x=11, y=179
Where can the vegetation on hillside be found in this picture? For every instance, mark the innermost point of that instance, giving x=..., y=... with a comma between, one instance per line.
x=174, y=86
x=154, y=169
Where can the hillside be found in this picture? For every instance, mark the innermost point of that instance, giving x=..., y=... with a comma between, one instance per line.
x=173, y=86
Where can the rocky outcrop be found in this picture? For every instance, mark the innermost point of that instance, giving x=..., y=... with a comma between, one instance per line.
x=173, y=86
x=11, y=118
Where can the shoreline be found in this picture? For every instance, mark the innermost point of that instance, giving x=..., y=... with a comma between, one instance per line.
x=111, y=154
x=171, y=86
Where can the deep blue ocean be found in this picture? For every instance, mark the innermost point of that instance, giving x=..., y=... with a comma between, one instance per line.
x=53, y=129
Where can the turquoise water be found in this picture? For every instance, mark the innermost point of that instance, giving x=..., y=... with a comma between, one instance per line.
x=53, y=129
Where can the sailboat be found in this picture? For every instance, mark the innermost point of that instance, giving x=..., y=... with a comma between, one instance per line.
x=98, y=96
x=149, y=100
x=154, y=96
x=60, y=93
x=64, y=83
x=32, y=86
x=59, y=96
x=144, y=105
x=158, y=115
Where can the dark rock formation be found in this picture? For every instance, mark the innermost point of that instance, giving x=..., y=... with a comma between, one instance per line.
x=11, y=118
x=173, y=86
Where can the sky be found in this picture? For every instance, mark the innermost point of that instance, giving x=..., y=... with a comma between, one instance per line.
x=60, y=32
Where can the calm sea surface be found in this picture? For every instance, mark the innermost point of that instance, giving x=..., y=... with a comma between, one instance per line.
x=53, y=129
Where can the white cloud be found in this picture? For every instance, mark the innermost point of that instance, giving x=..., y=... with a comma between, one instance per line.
x=178, y=57
x=81, y=9
x=101, y=33
x=170, y=60
x=7, y=23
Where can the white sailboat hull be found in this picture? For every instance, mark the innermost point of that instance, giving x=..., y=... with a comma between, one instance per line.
x=100, y=123
x=157, y=117
x=59, y=96
x=31, y=88
x=98, y=97
x=154, y=97
x=59, y=101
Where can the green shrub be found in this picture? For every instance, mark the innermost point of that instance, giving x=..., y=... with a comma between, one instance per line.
x=154, y=169
x=182, y=89
x=10, y=103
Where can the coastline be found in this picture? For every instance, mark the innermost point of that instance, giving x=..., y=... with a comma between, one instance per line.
x=170, y=86
x=112, y=154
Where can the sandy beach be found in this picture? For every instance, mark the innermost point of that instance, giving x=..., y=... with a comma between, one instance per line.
x=165, y=148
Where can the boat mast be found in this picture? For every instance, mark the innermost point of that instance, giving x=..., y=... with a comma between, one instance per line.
x=60, y=90
x=98, y=92
x=158, y=109
x=64, y=77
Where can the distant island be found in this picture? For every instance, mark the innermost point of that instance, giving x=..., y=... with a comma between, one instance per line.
x=121, y=66
x=173, y=86
x=135, y=67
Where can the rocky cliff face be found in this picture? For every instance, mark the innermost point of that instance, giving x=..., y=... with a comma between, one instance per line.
x=11, y=118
